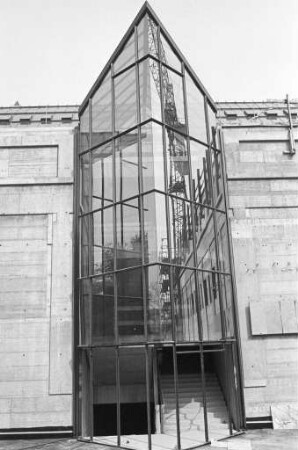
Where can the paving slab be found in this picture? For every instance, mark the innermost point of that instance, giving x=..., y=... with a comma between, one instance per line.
x=250, y=440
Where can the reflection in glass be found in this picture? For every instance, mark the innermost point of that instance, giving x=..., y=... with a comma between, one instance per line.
x=85, y=312
x=212, y=127
x=85, y=182
x=127, y=55
x=155, y=227
x=177, y=164
x=125, y=100
x=167, y=54
x=200, y=173
x=149, y=89
x=173, y=99
x=216, y=176
x=142, y=33
x=184, y=285
x=130, y=306
x=180, y=231
x=152, y=157
x=103, y=241
x=103, y=309
x=196, y=110
x=159, y=314
x=102, y=112
x=126, y=162
x=102, y=176
x=84, y=130
x=129, y=250
x=84, y=250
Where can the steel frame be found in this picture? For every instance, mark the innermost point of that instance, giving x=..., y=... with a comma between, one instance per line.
x=199, y=346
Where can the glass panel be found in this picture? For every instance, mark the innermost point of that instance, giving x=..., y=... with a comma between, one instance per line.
x=212, y=127
x=127, y=55
x=152, y=157
x=217, y=178
x=196, y=110
x=125, y=100
x=185, y=305
x=177, y=164
x=149, y=89
x=85, y=182
x=203, y=293
x=126, y=157
x=84, y=394
x=200, y=173
x=103, y=309
x=103, y=241
x=181, y=232
x=152, y=37
x=159, y=311
x=104, y=393
x=155, y=228
x=227, y=300
x=85, y=312
x=133, y=410
x=84, y=130
x=102, y=112
x=102, y=176
x=168, y=56
x=173, y=99
x=130, y=306
x=142, y=32
x=129, y=251
x=224, y=262
x=84, y=250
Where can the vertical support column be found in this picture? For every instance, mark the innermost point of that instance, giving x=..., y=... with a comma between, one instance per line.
x=193, y=217
x=204, y=392
x=213, y=203
x=239, y=367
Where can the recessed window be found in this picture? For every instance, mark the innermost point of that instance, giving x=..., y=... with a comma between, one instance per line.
x=5, y=120
x=231, y=114
x=25, y=120
x=66, y=119
x=45, y=120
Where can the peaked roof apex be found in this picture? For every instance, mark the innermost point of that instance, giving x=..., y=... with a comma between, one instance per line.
x=144, y=9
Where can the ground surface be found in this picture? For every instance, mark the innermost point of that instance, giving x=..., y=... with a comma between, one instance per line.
x=251, y=440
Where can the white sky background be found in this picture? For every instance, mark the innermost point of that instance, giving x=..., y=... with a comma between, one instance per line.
x=51, y=51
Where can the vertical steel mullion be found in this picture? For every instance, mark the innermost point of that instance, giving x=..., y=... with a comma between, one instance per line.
x=76, y=271
x=148, y=397
x=192, y=196
x=169, y=241
x=204, y=392
x=199, y=301
x=118, y=396
x=240, y=375
x=142, y=226
x=228, y=386
x=176, y=385
x=116, y=331
x=90, y=357
x=213, y=204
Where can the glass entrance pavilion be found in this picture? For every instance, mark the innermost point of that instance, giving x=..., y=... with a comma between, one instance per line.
x=157, y=351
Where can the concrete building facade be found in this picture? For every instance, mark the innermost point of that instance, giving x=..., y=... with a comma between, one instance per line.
x=36, y=222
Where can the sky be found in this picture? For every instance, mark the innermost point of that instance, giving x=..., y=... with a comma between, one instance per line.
x=52, y=51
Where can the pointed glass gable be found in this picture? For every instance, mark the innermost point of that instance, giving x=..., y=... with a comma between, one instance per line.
x=155, y=304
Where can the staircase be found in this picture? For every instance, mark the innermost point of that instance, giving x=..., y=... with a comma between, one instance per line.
x=191, y=406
